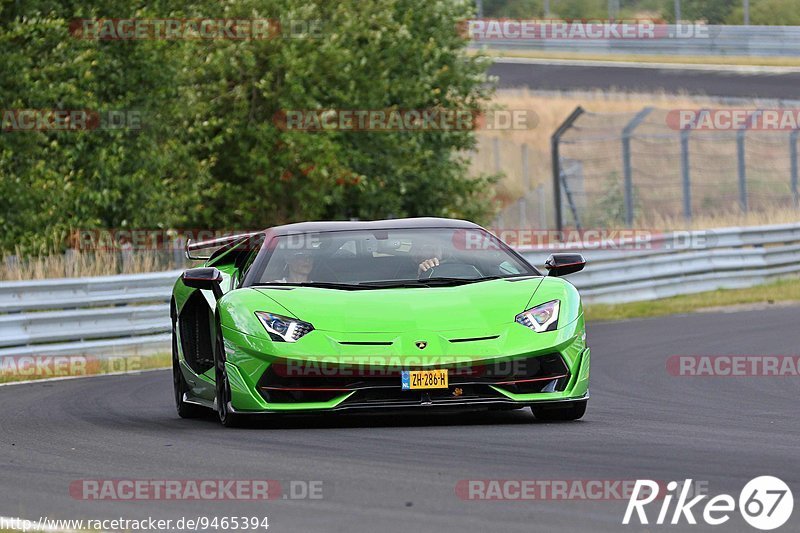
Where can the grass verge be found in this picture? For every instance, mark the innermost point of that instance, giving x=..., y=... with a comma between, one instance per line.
x=29, y=368
x=787, y=291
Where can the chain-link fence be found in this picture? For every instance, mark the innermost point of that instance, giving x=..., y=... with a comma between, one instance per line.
x=526, y=190
x=644, y=168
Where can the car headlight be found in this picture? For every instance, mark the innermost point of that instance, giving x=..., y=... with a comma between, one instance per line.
x=540, y=318
x=283, y=329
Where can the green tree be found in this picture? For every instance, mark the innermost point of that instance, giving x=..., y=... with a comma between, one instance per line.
x=513, y=8
x=56, y=180
x=371, y=54
x=210, y=153
x=768, y=13
x=581, y=9
x=710, y=11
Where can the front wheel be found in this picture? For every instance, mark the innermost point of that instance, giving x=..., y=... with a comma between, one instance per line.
x=223, y=387
x=573, y=411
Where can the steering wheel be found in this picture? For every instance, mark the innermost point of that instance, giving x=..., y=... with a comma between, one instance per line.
x=428, y=273
x=452, y=270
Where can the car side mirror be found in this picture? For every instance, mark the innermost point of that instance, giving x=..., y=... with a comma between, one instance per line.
x=206, y=278
x=563, y=264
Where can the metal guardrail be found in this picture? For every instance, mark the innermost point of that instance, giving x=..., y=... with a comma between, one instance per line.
x=684, y=263
x=104, y=315
x=86, y=292
x=120, y=314
x=712, y=40
x=86, y=324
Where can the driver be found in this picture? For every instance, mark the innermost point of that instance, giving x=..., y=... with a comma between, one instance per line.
x=426, y=256
x=298, y=268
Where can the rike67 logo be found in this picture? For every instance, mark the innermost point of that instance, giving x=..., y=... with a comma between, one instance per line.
x=766, y=503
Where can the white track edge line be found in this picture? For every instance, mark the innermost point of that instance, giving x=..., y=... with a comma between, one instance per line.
x=66, y=378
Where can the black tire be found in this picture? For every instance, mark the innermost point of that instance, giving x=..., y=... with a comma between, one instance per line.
x=574, y=411
x=180, y=387
x=223, y=386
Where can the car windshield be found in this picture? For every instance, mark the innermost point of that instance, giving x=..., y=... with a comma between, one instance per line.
x=388, y=258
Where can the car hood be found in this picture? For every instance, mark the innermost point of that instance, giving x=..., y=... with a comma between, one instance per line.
x=479, y=305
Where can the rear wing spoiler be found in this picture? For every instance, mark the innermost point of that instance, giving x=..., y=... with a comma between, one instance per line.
x=213, y=244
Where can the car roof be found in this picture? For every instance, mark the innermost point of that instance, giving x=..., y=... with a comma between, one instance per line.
x=371, y=225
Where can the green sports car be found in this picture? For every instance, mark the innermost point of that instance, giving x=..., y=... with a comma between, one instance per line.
x=419, y=314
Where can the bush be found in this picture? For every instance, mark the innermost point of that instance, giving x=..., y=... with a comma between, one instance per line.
x=210, y=154
x=768, y=12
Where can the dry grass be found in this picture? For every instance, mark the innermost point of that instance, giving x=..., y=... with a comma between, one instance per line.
x=552, y=110
x=725, y=220
x=783, y=292
x=73, y=366
x=98, y=256
x=715, y=196
x=80, y=264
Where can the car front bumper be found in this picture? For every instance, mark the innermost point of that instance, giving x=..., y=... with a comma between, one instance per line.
x=248, y=361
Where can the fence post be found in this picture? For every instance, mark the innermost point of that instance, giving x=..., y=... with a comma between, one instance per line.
x=793, y=156
x=741, y=166
x=627, y=133
x=741, y=162
x=526, y=185
x=496, y=151
x=526, y=179
x=685, y=174
x=542, y=207
x=555, y=139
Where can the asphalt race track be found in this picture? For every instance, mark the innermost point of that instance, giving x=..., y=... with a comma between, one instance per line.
x=768, y=85
x=398, y=473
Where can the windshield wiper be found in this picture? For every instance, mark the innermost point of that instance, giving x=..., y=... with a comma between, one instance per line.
x=438, y=279
x=428, y=282
x=392, y=283
x=320, y=284
x=381, y=284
